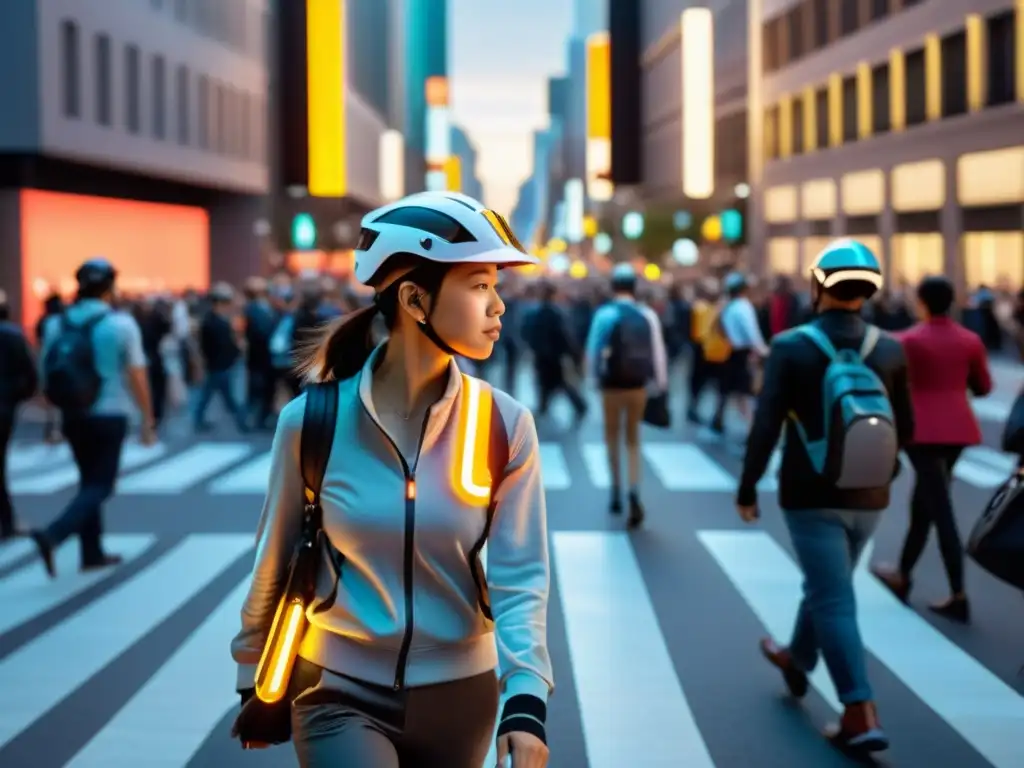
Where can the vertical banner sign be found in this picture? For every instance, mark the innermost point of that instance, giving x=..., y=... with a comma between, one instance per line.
x=392, y=165
x=325, y=62
x=453, y=173
x=599, y=117
x=574, y=210
x=698, y=117
x=438, y=133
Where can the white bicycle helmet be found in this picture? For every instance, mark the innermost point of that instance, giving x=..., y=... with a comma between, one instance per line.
x=444, y=227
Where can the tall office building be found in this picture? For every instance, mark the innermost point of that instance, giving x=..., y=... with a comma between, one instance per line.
x=335, y=98
x=899, y=123
x=426, y=56
x=663, y=119
x=133, y=131
x=464, y=149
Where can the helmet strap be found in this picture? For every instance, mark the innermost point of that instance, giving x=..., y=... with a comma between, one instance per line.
x=428, y=331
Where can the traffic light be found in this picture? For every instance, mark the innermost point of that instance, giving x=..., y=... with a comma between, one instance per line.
x=303, y=232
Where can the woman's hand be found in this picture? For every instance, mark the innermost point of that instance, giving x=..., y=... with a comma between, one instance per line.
x=526, y=749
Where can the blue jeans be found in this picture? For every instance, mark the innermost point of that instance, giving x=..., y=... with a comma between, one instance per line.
x=220, y=383
x=828, y=544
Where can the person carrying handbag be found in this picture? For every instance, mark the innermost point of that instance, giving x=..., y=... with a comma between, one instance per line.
x=375, y=621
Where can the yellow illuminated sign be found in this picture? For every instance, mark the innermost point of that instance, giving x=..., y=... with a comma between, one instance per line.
x=325, y=77
x=577, y=270
x=652, y=272
x=453, y=173
x=557, y=245
x=589, y=226
x=471, y=473
x=599, y=86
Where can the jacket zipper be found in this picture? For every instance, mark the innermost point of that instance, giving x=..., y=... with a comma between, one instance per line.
x=409, y=545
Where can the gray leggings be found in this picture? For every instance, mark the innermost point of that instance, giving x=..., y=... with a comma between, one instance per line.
x=341, y=721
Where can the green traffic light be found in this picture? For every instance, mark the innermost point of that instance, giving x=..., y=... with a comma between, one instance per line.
x=303, y=232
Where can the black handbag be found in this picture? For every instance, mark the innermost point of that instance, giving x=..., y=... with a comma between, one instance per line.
x=656, y=411
x=996, y=542
x=265, y=717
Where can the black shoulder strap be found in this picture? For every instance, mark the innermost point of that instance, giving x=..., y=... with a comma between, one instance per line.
x=319, y=420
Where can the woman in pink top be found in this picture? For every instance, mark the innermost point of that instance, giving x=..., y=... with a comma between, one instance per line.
x=945, y=361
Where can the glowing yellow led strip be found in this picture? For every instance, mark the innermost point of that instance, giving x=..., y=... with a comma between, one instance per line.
x=471, y=478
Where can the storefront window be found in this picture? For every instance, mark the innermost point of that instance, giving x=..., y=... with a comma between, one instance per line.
x=915, y=256
x=783, y=255
x=995, y=259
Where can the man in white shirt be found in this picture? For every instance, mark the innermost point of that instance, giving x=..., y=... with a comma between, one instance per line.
x=738, y=319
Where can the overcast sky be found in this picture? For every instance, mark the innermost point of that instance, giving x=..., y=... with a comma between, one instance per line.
x=500, y=55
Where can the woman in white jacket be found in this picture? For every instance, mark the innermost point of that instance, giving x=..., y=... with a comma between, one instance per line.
x=405, y=635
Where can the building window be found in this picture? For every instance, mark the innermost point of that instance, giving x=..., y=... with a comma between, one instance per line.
x=878, y=9
x=795, y=28
x=954, y=74
x=770, y=42
x=771, y=132
x=798, y=141
x=71, y=70
x=245, y=137
x=104, y=88
x=203, y=112
x=219, y=122
x=159, y=78
x=821, y=116
x=880, y=118
x=132, y=110
x=1002, y=57
x=914, y=89
x=182, y=99
x=849, y=17
x=850, y=111
x=821, y=32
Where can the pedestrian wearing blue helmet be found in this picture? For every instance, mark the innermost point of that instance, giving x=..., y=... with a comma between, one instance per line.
x=839, y=388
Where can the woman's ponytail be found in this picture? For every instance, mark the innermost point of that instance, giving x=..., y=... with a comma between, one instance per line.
x=338, y=350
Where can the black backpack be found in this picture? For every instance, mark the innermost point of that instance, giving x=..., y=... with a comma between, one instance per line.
x=71, y=381
x=629, y=356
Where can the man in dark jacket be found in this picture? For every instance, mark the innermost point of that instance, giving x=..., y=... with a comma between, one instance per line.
x=18, y=382
x=829, y=525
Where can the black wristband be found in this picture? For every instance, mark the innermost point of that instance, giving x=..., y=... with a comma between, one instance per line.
x=525, y=714
x=245, y=695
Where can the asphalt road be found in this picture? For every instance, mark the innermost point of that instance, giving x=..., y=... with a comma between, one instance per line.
x=652, y=634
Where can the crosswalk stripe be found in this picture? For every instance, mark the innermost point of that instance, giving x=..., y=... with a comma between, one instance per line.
x=13, y=551
x=685, y=467
x=40, y=455
x=987, y=713
x=677, y=466
x=132, y=456
x=252, y=477
x=29, y=592
x=184, y=470
x=35, y=678
x=632, y=706
x=197, y=683
x=554, y=467
x=595, y=458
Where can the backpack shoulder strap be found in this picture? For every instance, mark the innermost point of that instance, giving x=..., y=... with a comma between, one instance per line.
x=871, y=338
x=319, y=420
x=819, y=337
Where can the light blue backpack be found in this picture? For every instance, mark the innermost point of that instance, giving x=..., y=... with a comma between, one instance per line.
x=859, y=446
